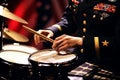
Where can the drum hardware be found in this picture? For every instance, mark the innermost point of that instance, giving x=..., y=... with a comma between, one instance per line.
x=5, y=13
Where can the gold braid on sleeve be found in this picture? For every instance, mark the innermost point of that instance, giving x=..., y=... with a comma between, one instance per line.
x=97, y=47
x=58, y=26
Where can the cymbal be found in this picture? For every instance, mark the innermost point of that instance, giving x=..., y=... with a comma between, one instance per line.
x=14, y=35
x=6, y=13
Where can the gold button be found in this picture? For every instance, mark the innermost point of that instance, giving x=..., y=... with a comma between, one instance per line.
x=94, y=16
x=84, y=14
x=83, y=36
x=84, y=22
x=101, y=18
x=81, y=50
x=69, y=6
x=84, y=29
x=74, y=10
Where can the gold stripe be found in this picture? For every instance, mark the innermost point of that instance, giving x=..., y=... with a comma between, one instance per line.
x=58, y=26
x=97, y=47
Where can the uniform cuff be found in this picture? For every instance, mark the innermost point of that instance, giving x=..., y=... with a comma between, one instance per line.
x=58, y=26
x=55, y=28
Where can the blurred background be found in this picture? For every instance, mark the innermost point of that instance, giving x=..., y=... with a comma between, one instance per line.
x=38, y=13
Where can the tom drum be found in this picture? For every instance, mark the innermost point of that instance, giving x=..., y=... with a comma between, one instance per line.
x=19, y=47
x=14, y=61
x=49, y=61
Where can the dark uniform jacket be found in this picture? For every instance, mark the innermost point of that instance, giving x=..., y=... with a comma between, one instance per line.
x=98, y=22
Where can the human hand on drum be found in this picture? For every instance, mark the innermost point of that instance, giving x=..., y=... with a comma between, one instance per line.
x=65, y=41
x=61, y=43
x=38, y=39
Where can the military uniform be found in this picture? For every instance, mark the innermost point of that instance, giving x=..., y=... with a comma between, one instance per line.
x=98, y=22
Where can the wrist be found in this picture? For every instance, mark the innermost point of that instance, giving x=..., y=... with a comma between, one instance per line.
x=80, y=41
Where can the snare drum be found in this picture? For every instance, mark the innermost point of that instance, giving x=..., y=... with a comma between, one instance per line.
x=51, y=57
x=19, y=47
x=17, y=64
x=16, y=57
x=49, y=61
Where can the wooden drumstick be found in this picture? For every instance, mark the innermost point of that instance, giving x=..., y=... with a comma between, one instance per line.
x=41, y=35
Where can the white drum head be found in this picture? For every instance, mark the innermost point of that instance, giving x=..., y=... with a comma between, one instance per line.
x=18, y=47
x=51, y=56
x=15, y=57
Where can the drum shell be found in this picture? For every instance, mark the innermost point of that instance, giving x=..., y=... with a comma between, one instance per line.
x=41, y=68
x=16, y=70
x=57, y=64
x=13, y=70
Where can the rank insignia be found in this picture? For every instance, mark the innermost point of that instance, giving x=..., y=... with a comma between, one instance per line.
x=112, y=0
x=104, y=15
x=75, y=2
x=74, y=5
x=105, y=7
x=105, y=43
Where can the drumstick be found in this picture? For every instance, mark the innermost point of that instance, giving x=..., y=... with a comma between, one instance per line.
x=41, y=35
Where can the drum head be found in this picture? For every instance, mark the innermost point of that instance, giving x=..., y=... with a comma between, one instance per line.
x=50, y=56
x=18, y=47
x=16, y=57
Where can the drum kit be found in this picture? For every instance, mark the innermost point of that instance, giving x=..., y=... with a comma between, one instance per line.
x=7, y=33
x=19, y=57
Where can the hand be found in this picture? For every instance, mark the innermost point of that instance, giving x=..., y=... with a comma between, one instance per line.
x=47, y=33
x=65, y=41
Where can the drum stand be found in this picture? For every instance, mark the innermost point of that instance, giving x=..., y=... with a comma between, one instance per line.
x=2, y=25
x=1, y=33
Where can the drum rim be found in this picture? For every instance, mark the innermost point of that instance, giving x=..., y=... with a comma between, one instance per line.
x=32, y=48
x=5, y=61
x=36, y=62
x=21, y=45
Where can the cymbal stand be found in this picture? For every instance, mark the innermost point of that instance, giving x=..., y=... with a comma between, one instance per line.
x=2, y=25
x=1, y=32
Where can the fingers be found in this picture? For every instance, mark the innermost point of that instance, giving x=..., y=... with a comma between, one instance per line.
x=50, y=34
x=59, y=43
x=62, y=46
x=65, y=41
x=38, y=39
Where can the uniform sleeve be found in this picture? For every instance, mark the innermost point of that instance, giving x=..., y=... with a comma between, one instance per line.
x=66, y=23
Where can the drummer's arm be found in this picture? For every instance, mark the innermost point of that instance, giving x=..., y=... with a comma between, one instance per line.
x=65, y=25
